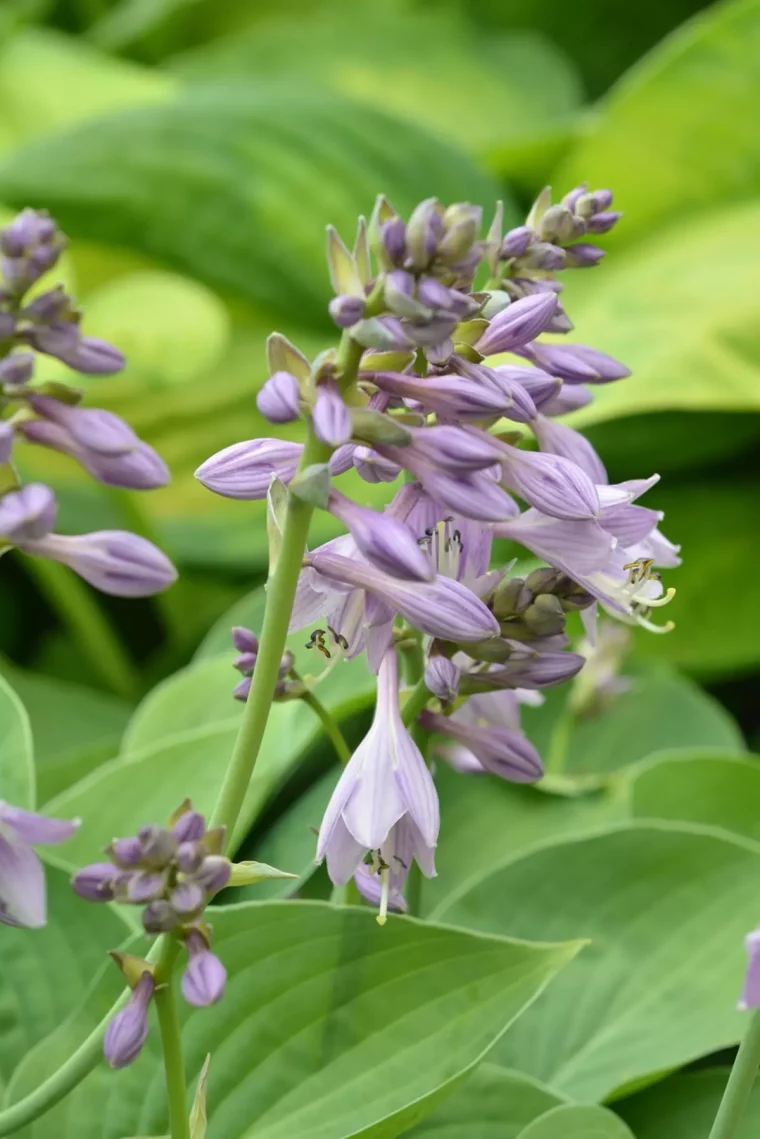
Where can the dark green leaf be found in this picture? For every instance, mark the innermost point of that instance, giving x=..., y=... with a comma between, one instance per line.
x=684, y=1107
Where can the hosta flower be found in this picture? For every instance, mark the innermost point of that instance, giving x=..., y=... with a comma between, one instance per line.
x=22, y=879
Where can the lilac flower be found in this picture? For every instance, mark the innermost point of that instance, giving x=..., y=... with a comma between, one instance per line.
x=576, y=363
x=128, y=1030
x=332, y=419
x=28, y=513
x=16, y=370
x=95, y=883
x=501, y=751
x=518, y=324
x=135, y=468
x=750, y=997
x=442, y=678
x=86, y=354
x=373, y=467
x=451, y=396
x=279, y=398
x=385, y=781
x=559, y=439
x=205, y=978
x=114, y=561
x=245, y=470
x=22, y=881
x=370, y=886
x=551, y=483
x=384, y=541
x=347, y=310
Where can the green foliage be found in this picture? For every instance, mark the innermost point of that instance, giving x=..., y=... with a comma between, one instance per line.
x=685, y=1106
x=16, y=758
x=417, y=1005
x=573, y=1121
x=666, y=906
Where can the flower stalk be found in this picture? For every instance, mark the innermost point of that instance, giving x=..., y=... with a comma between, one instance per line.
x=740, y=1082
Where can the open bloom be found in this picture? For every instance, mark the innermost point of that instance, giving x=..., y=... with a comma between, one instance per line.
x=385, y=784
x=22, y=880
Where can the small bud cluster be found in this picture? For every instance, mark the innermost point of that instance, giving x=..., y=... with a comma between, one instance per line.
x=173, y=872
x=247, y=645
x=49, y=415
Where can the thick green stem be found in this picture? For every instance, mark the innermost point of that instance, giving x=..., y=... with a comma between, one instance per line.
x=332, y=730
x=739, y=1086
x=77, y=609
x=174, y=1067
x=415, y=702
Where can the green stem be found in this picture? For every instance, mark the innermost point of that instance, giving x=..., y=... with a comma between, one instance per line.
x=742, y=1077
x=331, y=728
x=77, y=608
x=174, y=1067
x=415, y=702
x=560, y=742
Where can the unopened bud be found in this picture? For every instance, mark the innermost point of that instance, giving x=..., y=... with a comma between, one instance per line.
x=158, y=846
x=511, y=598
x=545, y=616
x=159, y=917
x=347, y=310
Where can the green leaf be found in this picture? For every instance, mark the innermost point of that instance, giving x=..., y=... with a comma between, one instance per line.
x=214, y=183
x=74, y=728
x=485, y=821
x=666, y=906
x=522, y=85
x=675, y=136
x=16, y=755
x=330, y=1026
x=178, y=746
x=94, y=83
x=47, y=972
x=713, y=788
x=491, y=1104
x=684, y=1106
x=715, y=609
x=574, y=1121
x=660, y=710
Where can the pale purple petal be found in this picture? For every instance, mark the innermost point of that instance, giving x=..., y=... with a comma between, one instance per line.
x=750, y=997
x=382, y=539
x=370, y=887
x=552, y=484
x=343, y=854
x=559, y=439
x=22, y=881
x=39, y=829
x=575, y=547
x=332, y=419
x=245, y=470
x=114, y=561
x=516, y=325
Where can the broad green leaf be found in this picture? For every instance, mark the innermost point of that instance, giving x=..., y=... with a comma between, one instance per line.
x=74, y=728
x=215, y=183
x=485, y=820
x=660, y=710
x=330, y=1026
x=675, y=136
x=47, y=972
x=491, y=1104
x=713, y=788
x=690, y=347
x=715, y=608
x=666, y=907
x=522, y=86
x=94, y=83
x=576, y=1121
x=17, y=784
x=684, y=1107
x=179, y=747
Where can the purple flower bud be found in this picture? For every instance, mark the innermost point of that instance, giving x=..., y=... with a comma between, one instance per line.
x=17, y=369
x=189, y=827
x=544, y=256
x=570, y=397
x=157, y=846
x=475, y=494
x=374, y=468
x=94, y=883
x=442, y=678
x=589, y=204
x=399, y=295
x=126, y=852
x=553, y=484
x=159, y=917
x=559, y=439
x=54, y=304
x=435, y=295
x=93, y=428
x=540, y=386
x=451, y=396
x=383, y=540
x=244, y=640
x=518, y=404
x=501, y=751
x=393, y=235
x=114, y=561
x=245, y=663
x=138, y=469
x=187, y=900
x=204, y=980
x=6, y=442
x=128, y=1030
x=386, y=333
x=423, y=232
x=245, y=470
x=750, y=997
x=279, y=398
x=188, y=857
x=144, y=886
x=347, y=310
x=533, y=671
x=518, y=324
x=7, y=325
x=603, y=222
x=456, y=448
x=241, y=690
x=516, y=241
x=28, y=513
x=28, y=229
x=577, y=363
x=571, y=199
x=331, y=417
x=214, y=873
x=443, y=608
x=583, y=256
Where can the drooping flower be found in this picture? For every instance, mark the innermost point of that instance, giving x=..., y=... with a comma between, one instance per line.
x=22, y=879
x=128, y=1029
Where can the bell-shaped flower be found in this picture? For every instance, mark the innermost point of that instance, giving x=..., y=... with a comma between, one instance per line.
x=386, y=782
x=22, y=880
x=128, y=1029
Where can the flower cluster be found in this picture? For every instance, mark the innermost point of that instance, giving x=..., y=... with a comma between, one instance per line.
x=173, y=873
x=426, y=398
x=49, y=415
